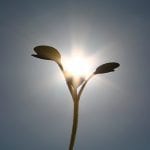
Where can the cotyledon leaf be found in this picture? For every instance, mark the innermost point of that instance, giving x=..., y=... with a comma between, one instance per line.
x=105, y=68
x=47, y=53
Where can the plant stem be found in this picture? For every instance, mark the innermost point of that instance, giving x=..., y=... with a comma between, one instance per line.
x=83, y=86
x=75, y=124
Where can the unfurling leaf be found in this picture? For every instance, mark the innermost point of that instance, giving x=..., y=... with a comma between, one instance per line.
x=105, y=68
x=77, y=82
x=74, y=80
x=47, y=53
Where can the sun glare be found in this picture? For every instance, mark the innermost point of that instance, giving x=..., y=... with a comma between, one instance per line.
x=77, y=64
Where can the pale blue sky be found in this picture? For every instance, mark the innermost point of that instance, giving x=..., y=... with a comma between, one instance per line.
x=35, y=105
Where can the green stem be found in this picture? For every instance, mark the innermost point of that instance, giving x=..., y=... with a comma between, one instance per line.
x=75, y=124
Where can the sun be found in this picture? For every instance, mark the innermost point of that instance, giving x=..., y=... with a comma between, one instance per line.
x=77, y=64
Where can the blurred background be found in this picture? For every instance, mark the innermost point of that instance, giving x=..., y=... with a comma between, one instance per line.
x=35, y=104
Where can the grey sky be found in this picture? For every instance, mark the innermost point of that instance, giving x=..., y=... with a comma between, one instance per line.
x=35, y=105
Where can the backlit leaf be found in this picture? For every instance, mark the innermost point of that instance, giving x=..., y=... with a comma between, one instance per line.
x=47, y=53
x=105, y=68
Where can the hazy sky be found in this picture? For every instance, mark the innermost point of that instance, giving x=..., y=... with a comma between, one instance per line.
x=35, y=105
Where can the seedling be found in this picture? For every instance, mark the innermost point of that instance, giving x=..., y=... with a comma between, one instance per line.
x=75, y=84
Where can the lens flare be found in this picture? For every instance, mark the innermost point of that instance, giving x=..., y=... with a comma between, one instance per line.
x=77, y=64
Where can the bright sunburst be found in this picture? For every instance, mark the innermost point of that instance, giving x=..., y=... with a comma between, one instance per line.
x=77, y=64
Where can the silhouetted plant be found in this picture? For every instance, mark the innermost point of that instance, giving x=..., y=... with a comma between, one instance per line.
x=73, y=83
